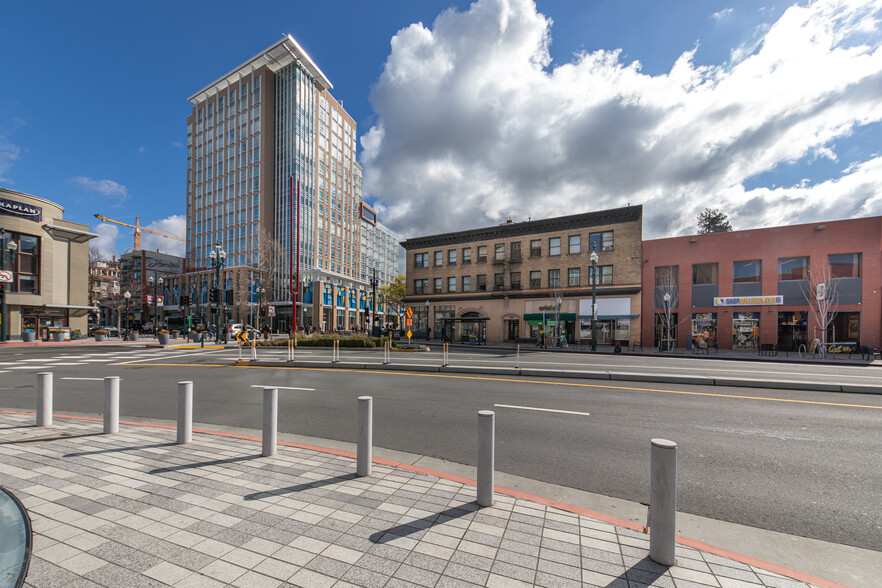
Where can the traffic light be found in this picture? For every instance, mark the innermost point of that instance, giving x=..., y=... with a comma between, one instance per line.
x=185, y=301
x=228, y=297
x=212, y=295
x=2, y=290
x=263, y=311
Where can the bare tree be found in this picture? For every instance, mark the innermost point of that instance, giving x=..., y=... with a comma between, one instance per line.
x=822, y=295
x=270, y=265
x=667, y=297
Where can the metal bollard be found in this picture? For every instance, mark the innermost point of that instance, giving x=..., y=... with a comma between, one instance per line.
x=486, y=456
x=663, y=502
x=518, y=358
x=270, y=420
x=44, y=399
x=365, y=435
x=253, y=350
x=444, y=356
x=111, y=404
x=185, y=412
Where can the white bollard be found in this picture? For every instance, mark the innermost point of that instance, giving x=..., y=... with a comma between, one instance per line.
x=518, y=358
x=111, y=404
x=486, y=456
x=185, y=412
x=444, y=356
x=44, y=399
x=365, y=435
x=270, y=420
x=663, y=502
x=253, y=350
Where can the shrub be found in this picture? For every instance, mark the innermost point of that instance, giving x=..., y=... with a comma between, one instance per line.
x=100, y=332
x=162, y=332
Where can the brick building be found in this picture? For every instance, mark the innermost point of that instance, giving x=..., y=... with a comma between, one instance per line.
x=746, y=288
x=504, y=282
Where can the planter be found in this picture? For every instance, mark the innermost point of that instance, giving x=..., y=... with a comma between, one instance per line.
x=58, y=337
x=163, y=339
x=99, y=338
x=133, y=336
x=196, y=337
x=28, y=336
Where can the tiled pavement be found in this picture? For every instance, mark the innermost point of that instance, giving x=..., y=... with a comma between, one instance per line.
x=135, y=510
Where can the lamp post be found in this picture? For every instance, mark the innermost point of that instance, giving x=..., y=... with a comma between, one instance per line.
x=374, y=331
x=127, y=296
x=427, y=320
x=156, y=284
x=8, y=252
x=218, y=255
x=594, y=260
x=666, y=342
x=259, y=291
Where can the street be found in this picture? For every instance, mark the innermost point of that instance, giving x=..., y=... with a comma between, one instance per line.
x=804, y=463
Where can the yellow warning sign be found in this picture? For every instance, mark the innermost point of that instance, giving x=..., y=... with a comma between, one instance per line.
x=409, y=334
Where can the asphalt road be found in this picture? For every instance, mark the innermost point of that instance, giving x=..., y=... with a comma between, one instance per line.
x=804, y=463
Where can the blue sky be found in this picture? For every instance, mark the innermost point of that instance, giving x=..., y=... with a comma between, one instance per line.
x=469, y=113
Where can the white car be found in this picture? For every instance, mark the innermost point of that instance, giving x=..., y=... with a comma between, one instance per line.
x=251, y=331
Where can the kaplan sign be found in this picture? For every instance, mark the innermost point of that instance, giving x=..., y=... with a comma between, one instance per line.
x=13, y=208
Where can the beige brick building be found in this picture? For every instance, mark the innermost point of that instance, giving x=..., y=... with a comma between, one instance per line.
x=504, y=283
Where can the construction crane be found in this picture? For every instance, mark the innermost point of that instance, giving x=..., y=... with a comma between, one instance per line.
x=138, y=228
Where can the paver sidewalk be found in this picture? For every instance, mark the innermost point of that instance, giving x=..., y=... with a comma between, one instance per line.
x=134, y=509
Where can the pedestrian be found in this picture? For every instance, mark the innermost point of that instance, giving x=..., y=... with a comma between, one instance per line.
x=266, y=332
x=428, y=332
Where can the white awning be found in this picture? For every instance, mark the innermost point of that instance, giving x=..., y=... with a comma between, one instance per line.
x=71, y=306
x=74, y=235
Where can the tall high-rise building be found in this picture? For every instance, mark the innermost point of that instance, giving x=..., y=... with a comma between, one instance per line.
x=253, y=136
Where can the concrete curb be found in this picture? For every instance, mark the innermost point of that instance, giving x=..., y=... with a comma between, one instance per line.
x=585, y=375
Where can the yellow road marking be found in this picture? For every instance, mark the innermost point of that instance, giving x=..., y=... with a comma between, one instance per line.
x=486, y=379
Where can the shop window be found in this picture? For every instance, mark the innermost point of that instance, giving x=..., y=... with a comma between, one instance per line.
x=535, y=279
x=747, y=271
x=844, y=327
x=536, y=248
x=745, y=330
x=704, y=330
x=600, y=241
x=792, y=268
x=25, y=263
x=845, y=265
x=704, y=273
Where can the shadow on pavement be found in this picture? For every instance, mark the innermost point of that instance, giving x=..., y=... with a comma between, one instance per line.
x=300, y=487
x=202, y=464
x=116, y=449
x=644, y=571
x=423, y=524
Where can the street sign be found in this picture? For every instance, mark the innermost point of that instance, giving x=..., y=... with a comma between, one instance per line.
x=271, y=310
x=160, y=301
x=409, y=334
x=409, y=322
x=5, y=276
x=409, y=312
x=242, y=336
x=821, y=291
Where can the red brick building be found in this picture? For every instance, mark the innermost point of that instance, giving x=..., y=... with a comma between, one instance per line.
x=746, y=288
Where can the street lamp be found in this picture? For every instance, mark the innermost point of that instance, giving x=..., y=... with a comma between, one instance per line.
x=127, y=296
x=666, y=342
x=259, y=290
x=8, y=252
x=156, y=284
x=594, y=259
x=427, y=320
x=218, y=255
x=374, y=331
x=557, y=321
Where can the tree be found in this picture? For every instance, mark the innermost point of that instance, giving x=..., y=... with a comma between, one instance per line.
x=713, y=221
x=393, y=292
x=822, y=295
x=667, y=298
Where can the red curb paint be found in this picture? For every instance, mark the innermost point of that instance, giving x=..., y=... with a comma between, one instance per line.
x=745, y=559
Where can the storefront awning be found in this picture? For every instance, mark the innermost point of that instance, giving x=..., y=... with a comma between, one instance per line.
x=549, y=316
x=74, y=235
x=71, y=307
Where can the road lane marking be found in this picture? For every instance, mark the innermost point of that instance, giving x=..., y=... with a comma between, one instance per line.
x=165, y=357
x=284, y=388
x=540, y=382
x=542, y=409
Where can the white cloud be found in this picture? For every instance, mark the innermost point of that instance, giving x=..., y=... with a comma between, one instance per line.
x=9, y=151
x=173, y=225
x=104, y=187
x=177, y=144
x=106, y=240
x=722, y=14
x=473, y=126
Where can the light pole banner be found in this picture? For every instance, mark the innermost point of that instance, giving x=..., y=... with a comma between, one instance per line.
x=748, y=301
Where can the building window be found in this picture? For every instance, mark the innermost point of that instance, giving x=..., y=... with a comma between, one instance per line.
x=439, y=258
x=499, y=281
x=704, y=273
x=451, y=257
x=792, y=268
x=515, y=280
x=554, y=278
x=667, y=276
x=575, y=244
x=845, y=265
x=438, y=285
x=600, y=241
x=499, y=252
x=466, y=283
x=25, y=264
x=482, y=283
x=451, y=284
x=421, y=286
x=554, y=246
x=466, y=255
x=535, y=280
x=574, y=276
x=516, y=251
x=605, y=275
x=421, y=260
x=747, y=271
x=482, y=253
x=536, y=248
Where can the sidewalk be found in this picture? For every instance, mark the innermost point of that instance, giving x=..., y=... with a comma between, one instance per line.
x=134, y=509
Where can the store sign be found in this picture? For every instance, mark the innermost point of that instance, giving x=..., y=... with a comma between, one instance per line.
x=13, y=208
x=748, y=301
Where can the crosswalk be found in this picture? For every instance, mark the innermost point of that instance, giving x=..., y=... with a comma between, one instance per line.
x=69, y=360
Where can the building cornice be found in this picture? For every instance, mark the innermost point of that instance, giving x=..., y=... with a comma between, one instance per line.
x=561, y=223
x=420, y=299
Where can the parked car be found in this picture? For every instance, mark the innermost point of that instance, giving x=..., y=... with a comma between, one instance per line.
x=236, y=327
x=111, y=331
x=92, y=327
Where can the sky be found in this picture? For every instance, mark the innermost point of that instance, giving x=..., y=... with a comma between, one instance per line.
x=468, y=113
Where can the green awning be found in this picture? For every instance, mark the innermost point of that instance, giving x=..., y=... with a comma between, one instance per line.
x=549, y=316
